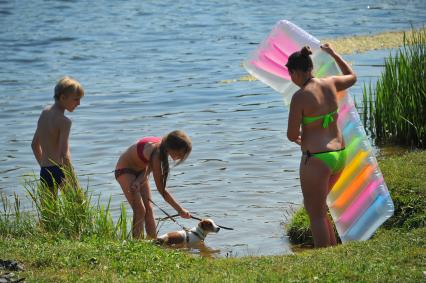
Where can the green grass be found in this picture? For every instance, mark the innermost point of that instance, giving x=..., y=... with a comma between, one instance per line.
x=12, y=220
x=298, y=230
x=395, y=110
x=92, y=252
x=392, y=256
x=69, y=214
x=405, y=177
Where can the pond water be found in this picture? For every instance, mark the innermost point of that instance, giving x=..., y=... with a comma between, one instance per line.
x=149, y=68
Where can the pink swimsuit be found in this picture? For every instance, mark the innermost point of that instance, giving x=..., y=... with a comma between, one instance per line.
x=141, y=145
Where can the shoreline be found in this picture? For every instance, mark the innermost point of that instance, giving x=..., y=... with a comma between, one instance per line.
x=396, y=247
x=363, y=43
x=349, y=45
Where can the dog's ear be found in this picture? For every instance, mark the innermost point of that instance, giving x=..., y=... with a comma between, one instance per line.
x=206, y=225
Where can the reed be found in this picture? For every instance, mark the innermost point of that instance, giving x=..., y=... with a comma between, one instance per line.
x=67, y=212
x=395, y=111
x=13, y=221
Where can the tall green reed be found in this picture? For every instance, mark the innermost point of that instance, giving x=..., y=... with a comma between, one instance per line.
x=395, y=111
x=13, y=221
x=66, y=211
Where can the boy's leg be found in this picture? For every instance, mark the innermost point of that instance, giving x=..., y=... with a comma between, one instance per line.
x=150, y=225
x=135, y=201
x=314, y=179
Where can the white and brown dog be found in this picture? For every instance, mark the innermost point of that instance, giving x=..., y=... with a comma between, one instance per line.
x=193, y=236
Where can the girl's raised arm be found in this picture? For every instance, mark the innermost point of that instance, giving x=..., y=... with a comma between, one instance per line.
x=348, y=78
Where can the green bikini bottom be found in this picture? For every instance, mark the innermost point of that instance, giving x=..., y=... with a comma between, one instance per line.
x=334, y=159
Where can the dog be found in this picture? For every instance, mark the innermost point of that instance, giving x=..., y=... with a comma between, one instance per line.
x=189, y=237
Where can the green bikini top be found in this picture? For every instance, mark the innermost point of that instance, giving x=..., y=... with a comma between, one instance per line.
x=327, y=119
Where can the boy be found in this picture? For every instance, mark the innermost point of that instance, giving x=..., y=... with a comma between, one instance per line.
x=50, y=141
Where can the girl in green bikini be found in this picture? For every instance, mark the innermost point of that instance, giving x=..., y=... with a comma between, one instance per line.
x=312, y=125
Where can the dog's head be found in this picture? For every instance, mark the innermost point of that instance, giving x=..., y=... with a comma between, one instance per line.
x=208, y=225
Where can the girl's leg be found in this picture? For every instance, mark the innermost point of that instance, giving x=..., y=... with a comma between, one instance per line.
x=135, y=201
x=314, y=179
x=331, y=232
x=150, y=226
x=332, y=181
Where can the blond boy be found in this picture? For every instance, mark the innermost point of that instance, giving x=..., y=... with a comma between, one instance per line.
x=50, y=142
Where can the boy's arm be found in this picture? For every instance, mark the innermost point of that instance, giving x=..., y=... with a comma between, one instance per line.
x=64, y=150
x=35, y=145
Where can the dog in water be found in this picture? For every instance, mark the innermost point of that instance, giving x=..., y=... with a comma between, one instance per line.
x=190, y=237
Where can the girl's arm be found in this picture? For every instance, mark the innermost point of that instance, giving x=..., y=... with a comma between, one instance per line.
x=294, y=120
x=348, y=78
x=158, y=178
x=138, y=182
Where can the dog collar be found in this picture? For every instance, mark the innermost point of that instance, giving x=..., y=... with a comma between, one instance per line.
x=199, y=233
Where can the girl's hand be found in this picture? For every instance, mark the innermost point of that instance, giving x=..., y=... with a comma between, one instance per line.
x=135, y=187
x=326, y=47
x=299, y=140
x=184, y=213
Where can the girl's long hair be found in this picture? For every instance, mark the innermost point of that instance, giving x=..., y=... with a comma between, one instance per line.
x=176, y=140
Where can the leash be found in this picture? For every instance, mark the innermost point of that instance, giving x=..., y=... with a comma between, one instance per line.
x=193, y=217
x=168, y=216
x=223, y=227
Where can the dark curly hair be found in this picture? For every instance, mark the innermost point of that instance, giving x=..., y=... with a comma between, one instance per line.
x=300, y=60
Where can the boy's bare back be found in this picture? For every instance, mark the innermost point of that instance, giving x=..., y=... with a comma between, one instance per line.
x=53, y=129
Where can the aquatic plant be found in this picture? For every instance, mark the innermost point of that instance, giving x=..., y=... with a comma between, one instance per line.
x=13, y=221
x=395, y=111
x=67, y=212
x=298, y=229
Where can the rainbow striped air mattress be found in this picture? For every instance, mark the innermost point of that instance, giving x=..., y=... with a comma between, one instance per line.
x=359, y=202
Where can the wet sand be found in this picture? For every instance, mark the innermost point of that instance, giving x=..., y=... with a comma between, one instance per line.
x=364, y=43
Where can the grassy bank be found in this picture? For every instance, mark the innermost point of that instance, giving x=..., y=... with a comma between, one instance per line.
x=394, y=254
x=389, y=257
x=70, y=214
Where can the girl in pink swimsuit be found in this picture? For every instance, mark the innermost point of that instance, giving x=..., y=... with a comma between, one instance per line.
x=133, y=168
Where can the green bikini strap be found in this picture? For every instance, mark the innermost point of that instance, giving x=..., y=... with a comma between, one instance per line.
x=328, y=118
